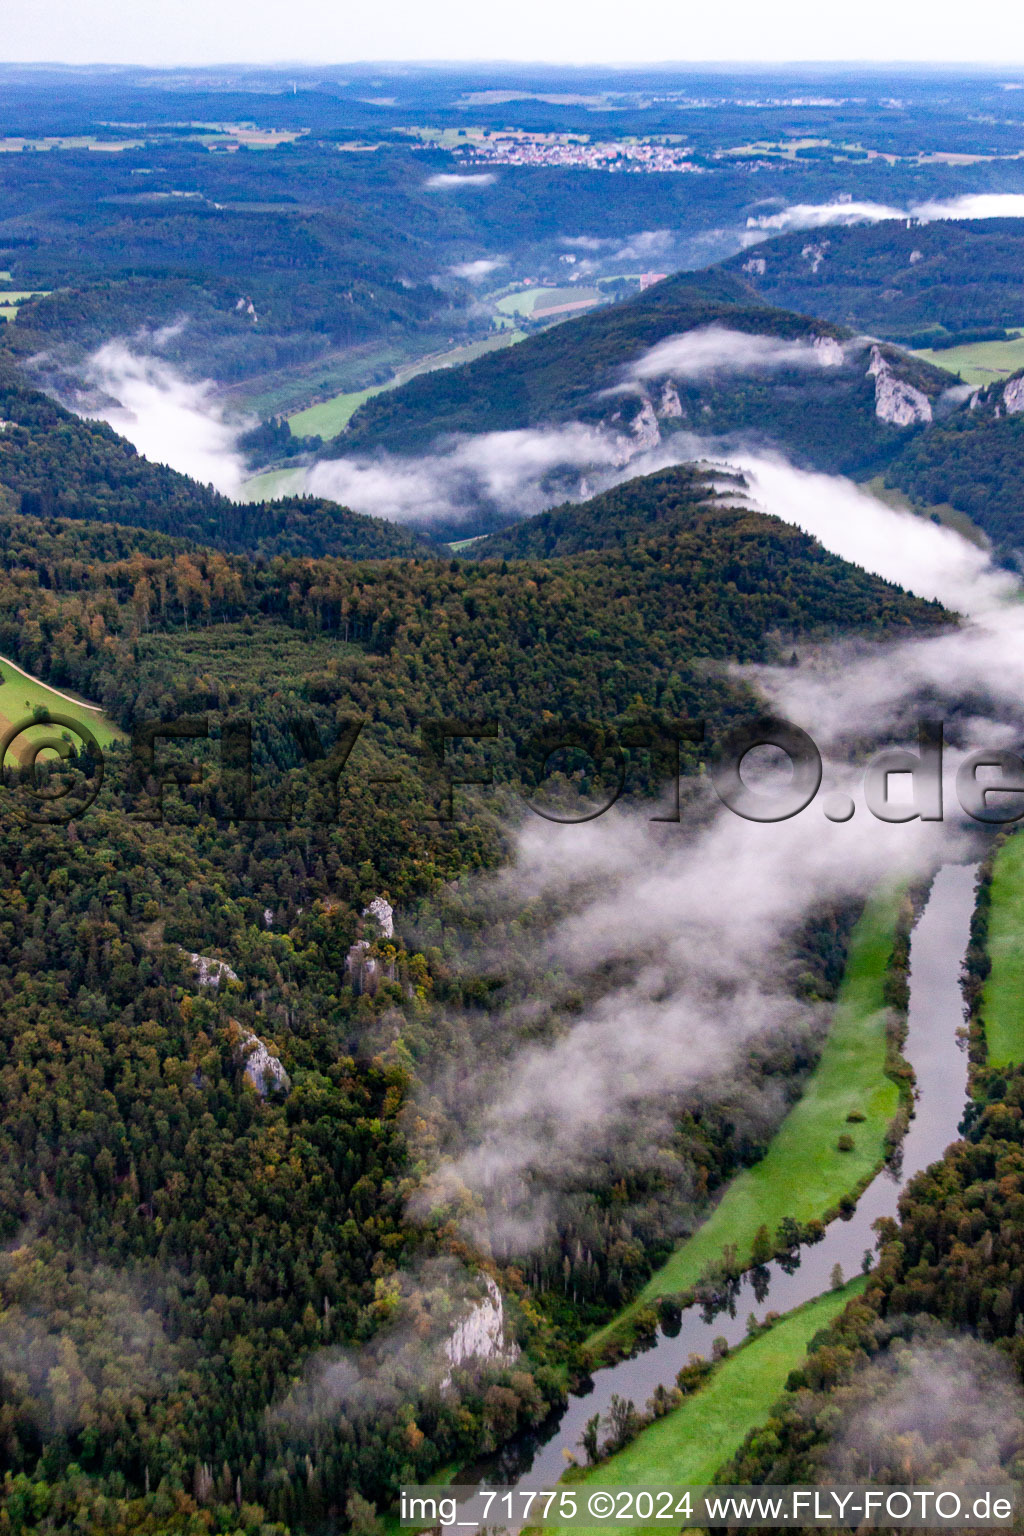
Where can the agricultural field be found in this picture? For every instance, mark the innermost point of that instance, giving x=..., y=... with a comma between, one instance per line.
x=1002, y=1003
x=12, y=299
x=332, y=416
x=275, y=482
x=979, y=362
x=803, y=1173
x=10, y=146
x=538, y=301
x=689, y=1445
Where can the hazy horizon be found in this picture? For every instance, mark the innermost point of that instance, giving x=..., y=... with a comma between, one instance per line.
x=232, y=33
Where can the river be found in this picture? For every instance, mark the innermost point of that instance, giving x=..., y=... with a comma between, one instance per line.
x=938, y=1056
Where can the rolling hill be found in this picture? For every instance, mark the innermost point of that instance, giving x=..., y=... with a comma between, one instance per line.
x=823, y=416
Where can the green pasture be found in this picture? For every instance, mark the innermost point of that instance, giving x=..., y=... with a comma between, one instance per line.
x=1002, y=1001
x=803, y=1174
x=330, y=417
x=690, y=1444
x=979, y=362
x=21, y=696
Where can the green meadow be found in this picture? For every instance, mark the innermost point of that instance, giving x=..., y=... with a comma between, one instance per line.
x=1002, y=1002
x=979, y=362
x=21, y=696
x=332, y=416
x=690, y=1444
x=803, y=1173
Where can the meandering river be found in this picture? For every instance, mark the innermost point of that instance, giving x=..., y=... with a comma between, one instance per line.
x=936, y=1051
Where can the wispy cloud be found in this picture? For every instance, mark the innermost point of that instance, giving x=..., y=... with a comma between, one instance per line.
x=514, y=473
x=451, y=181
x=716, y=349
x=678, y=937
x=475, y=271
x=169, y=419
x=971, y=205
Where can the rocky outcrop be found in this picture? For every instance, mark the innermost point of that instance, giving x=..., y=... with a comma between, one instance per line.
x=210, y=971
x=896, y=401
x=383, y=915
x=645, y=429
x=480, y=1337
x=815, y=254
x=756, y=266
x=262, y=1068
x=1013, y=397
x=670, y=403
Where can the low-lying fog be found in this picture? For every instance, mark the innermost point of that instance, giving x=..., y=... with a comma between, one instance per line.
x=704, y=913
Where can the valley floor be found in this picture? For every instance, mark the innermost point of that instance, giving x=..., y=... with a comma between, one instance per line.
x=688, y=1445
x=1002, y=1006
x=803, y=1174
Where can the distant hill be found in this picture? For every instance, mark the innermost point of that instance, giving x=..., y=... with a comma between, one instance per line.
x=902, y=283
x=54, y=464
x=823, y=417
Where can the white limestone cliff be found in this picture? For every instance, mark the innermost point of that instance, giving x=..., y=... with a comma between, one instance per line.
x=896, y=401
x=829, y=352
x=815, y=254
x=262, y=1068
x=209, y=971
x=384, y=915
x=670, y=403
x=1013, y=397
x=481, y=1335
x=645, y=429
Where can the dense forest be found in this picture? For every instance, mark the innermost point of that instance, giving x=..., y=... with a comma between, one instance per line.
x=186, y=1256
x=53, y=463
x=822, y=416
x=973, y=461
x=912, y=283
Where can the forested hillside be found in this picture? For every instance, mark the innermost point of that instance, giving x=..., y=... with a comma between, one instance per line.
x=974, y=461
x=52, y=463
x=822, y=416
x=912, y=283
x=650, y=507
x=185, y=1253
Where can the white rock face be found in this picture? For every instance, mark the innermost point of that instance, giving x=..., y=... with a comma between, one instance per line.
x=262, y=1068
x=670, y=405
x=896, y=402
x=268, y=917
x=915, y=257
x=756, y=266
x=481, y=1335
x=829, y=352
x=815, y=254
x=646, y=431
x=1013, y=397
x=210, y=972
x=384, y=914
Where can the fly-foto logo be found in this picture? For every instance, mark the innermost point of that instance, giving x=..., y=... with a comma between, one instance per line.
x=54, y=768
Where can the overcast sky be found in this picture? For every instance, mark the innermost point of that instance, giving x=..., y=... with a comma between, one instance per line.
x=582, y=31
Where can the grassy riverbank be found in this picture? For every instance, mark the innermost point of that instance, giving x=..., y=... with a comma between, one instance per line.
x=689, y=1444
x=804, y=1174
x=1002, y=1003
